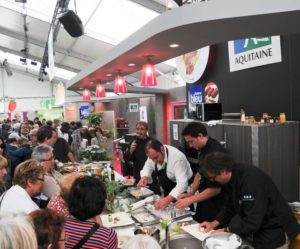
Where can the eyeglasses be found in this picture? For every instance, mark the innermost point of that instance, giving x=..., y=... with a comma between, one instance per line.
x=51, y=159
x=40, y=179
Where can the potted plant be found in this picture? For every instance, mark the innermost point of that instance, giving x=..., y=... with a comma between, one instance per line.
x=94, y=118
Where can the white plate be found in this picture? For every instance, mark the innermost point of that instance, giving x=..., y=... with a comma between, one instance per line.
x=195, y=231
x=119, y=219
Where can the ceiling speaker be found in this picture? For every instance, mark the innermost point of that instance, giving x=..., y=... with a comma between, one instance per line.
x=71, y=23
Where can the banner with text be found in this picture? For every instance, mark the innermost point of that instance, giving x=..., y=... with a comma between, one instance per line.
x=254, y=52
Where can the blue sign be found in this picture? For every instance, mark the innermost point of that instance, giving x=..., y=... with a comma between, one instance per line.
x=196, y=94
x=84, y=111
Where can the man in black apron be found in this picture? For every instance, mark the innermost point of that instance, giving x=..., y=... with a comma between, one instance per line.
x=209, y=198
x=254, y=205
x=171, y=169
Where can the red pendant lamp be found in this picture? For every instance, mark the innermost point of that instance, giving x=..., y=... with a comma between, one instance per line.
x=120, y=85
x=148, y=75
x=100, y=91
x=86, y=95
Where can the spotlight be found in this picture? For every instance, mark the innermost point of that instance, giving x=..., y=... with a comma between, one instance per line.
x=21, y=1
x=34, y=63
x=7, y=68
x=24, y=61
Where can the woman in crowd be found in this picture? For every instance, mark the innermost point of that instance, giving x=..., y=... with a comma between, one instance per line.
x=58, y=202
x=86, y=201
x=16, y=231
x=4, y=153
x=136, y=150
x=3, y=173
x=99, y=139
x=49, y=229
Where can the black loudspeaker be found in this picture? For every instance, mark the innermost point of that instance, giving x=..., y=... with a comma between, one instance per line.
x=72, y=23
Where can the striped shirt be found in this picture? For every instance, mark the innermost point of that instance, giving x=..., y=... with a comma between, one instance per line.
x=103, y=238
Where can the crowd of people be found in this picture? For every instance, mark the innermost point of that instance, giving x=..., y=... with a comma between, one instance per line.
x=41, y=208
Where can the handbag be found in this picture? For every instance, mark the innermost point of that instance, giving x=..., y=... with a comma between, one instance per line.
x=87, y=236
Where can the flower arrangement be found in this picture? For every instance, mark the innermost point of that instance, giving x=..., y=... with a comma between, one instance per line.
x=95, y=153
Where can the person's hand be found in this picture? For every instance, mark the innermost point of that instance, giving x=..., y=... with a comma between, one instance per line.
x=184, y=195
x=222, y=230
x=206, y=226
x=143, y=182
x=163, y=203
x=133, y=147
x=183, y=203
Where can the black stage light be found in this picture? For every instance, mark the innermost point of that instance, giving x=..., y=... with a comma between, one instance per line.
x=71, y=23
x=23, y=60
x=21, y=1
x=34, y=63
x=7, y=68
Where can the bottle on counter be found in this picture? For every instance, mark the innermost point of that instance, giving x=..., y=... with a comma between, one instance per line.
x=282, y=118
x=112, y=173
x=105, y=176
x=243, y=116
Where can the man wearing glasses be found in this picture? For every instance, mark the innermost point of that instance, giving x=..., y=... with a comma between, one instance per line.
x=254, y=205
x=28, y=182
x=43, y=153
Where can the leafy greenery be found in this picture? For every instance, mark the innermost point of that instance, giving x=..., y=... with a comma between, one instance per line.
x=94, y=117
x=113, y=188
x=95, y=153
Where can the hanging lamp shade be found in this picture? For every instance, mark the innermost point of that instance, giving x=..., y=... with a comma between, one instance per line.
x=86, y=95
x=148, y=75
x=120, y=85
x=100, y=91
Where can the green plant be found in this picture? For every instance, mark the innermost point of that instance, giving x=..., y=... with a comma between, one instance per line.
x=113, y=188
x=94, y=117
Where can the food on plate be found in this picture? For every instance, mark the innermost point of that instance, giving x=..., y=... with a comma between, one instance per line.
x=110, y=218
x=128, y=181
x=116, y=219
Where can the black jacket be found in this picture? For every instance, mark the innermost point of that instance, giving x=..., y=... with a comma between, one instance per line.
x=256, y=207
x=138, y=157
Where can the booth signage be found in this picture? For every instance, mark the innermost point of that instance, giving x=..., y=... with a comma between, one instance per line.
x=196, y=94
x=254, y=52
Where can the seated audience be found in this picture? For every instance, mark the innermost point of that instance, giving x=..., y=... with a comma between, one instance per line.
x=17, y=232
x=58, y=202
x=43, y=154
x=28, y=182
x=141, y=241
x=3, y=173
x=49, y=229
x=86, y=201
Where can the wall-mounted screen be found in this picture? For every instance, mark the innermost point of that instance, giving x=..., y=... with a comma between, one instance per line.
x=84, y=111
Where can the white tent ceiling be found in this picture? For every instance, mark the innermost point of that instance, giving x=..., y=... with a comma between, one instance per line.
x=106, y=23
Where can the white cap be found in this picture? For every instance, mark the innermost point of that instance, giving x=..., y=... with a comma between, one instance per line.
x=13, y=135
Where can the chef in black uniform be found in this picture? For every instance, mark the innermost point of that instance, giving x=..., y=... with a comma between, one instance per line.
x=171, y=169
x=136, y=150
x=209, y=198
x=254, y=205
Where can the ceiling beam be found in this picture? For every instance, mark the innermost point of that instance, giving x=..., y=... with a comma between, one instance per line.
x=41, y=44
x=31, y=57
x=151, y=4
